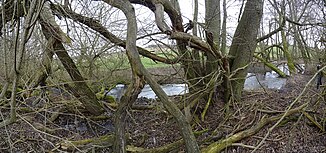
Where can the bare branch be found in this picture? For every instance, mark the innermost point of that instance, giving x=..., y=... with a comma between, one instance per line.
x=273, y=32
x=306, y=24
x=98, y=27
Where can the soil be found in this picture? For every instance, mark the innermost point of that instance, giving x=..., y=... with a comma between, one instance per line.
x=149, y=128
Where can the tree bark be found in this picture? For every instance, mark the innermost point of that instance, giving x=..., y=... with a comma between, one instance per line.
x=213, y=19
x=244, y=44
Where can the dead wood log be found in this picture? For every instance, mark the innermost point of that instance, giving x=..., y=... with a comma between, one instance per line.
x=102, y=141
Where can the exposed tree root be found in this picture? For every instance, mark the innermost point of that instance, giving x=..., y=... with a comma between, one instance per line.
x=222, y=144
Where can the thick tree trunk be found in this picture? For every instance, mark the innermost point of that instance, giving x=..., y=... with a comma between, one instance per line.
x=120, y=115
x=244, y=44
x=213, y=19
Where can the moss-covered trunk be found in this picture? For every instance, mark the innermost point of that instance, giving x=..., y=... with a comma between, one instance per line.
x=287, y=53
x=79, y=88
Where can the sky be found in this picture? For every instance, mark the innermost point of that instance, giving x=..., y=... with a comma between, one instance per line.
x=233, y=9
x=115, y=20
x=187, y=7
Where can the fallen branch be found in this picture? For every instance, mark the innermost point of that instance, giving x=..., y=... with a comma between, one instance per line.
x=107, y=141
x=224, y=143
x=163, y=149
x=270, y=65
x=289, y=108
x=102, y=141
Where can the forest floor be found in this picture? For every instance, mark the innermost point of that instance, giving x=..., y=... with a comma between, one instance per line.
x=148, y=128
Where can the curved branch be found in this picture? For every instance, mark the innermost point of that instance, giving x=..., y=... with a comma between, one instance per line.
x=159, y=16
x=306, y=24
x=98, y=27
x=174, y=15
x=138, y=81
x=195, y=42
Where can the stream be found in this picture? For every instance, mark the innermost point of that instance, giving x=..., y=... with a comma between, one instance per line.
x=254, y=81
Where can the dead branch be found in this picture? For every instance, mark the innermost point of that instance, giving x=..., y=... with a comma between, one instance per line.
x=102, y=141
x=289, y=108
x=222, y=144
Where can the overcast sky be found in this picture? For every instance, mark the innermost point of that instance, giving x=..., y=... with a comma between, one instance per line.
x=233, y=9
x=187, y=10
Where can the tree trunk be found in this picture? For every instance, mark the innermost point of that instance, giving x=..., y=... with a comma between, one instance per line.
x=140, y=71
x=287, y=53
x=79, y=87
x=223, y=34
x=213, y=24
x=244, y=44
